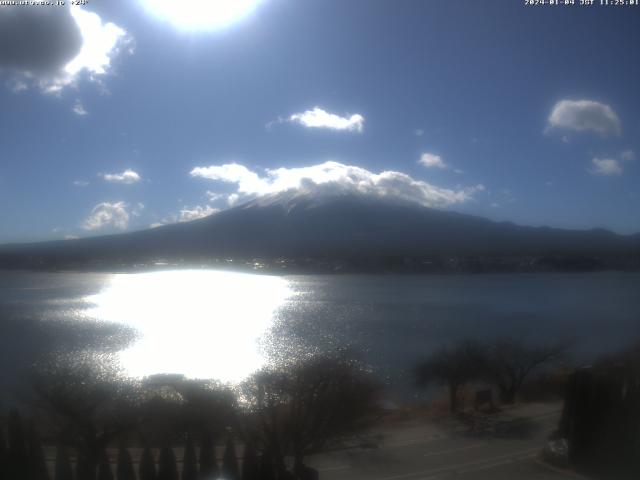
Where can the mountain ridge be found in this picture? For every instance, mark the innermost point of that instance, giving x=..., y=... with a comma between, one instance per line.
x=339, y=227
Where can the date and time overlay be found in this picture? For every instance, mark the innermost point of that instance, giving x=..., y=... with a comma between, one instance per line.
x=527, y=3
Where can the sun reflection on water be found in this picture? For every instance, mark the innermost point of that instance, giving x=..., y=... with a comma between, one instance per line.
x=203, y=324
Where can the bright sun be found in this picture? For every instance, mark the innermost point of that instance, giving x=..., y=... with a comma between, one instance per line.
x=201, y=14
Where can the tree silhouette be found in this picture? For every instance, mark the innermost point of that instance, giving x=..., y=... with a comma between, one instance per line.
x=230, y=469
x=85, y=467
x=37, y=464
x=305, y=408
x=104, y=467
x=124, y=468
x=87, y=402
x=190, y=461
x=452, y=366
x=147, y=467
x=18, y=456
x=174, y=404
x=63, y=469
x=208, y=462
x=167, y=468
x=3, y=456
x=250, y=464
x=206, y=404
x=267, y=468
x=508, y=362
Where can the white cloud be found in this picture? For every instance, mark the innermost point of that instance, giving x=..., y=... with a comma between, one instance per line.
x=233, y=199
x=430, y=160
x=79, y=109
x=585, y=115
x=80, y=183
x=105, y=214
x=99, y=42
x=230, y=199
x=187, y=214
x=127, y=177
x=248, y=181
x=606, y=166
x=628, y=156
x=213, y=196
x=418, y=132
x=336, y=178
x=51, y=48
x=319, y=118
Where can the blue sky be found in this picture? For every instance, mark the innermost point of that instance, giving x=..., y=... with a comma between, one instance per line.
x=117, y=117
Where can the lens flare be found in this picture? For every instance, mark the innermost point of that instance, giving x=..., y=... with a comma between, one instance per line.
x=201, y=14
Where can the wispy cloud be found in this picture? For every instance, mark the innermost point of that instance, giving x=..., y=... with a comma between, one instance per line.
x=430, y=160
x=334, y=177
x=187, y=214
x=138, y=209
x=80, y=183
x=127, y=177
x=193, y=213
x=108, y=215
x=585, y=115
x=606, y=166
x=319, y=118
x=79, y=109
x=628, y=156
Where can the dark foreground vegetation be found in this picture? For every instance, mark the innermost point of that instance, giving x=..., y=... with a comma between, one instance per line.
x=600, y=423
x=103, y=426
x=85, y=421
x=503, y=365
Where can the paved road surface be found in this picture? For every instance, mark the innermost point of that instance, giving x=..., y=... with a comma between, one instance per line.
x=504, y=449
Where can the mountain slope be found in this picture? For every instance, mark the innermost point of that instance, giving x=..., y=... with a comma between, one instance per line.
x=335, y=227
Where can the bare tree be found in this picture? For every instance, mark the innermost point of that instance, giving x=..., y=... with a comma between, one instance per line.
x=508, y=362
x=86, y=401
x=173, y=406
x=452, y=366
x=309, y=407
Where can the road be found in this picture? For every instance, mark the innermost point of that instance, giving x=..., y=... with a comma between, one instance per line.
x=504, y=447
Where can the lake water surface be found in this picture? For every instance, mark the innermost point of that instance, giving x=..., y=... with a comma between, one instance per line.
x=225, y=325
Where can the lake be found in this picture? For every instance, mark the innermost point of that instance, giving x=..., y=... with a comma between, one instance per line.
x=225, y=325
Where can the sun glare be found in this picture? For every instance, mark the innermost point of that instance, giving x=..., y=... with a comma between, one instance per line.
x=201, y=14
x=203, y=324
